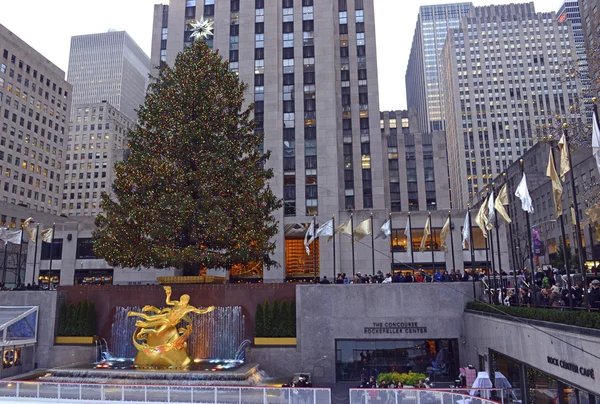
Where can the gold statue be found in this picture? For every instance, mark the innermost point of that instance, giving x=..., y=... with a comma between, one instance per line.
x=163, y=343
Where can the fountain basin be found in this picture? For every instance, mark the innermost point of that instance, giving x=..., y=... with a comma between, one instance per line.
x=203, y=373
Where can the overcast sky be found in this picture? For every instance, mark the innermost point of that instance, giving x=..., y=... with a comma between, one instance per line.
x=396, y=21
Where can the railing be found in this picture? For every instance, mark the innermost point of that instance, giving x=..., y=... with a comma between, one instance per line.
x=426, y=396
x=88, y=392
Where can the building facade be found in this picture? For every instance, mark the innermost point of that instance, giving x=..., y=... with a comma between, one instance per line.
x=97, y=140
x=543, y=219
x=422, y=74
x=34, y=117
x=312, y=72
x=108, y=67
x=590, y=23
x=501, y=79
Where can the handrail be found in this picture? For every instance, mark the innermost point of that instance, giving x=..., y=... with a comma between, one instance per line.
x=154, y=393
x=365, y=396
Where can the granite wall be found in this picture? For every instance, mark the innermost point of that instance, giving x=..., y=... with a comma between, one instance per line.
x=533, y=343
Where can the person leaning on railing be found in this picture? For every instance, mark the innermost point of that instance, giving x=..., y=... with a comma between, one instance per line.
x=594, y=295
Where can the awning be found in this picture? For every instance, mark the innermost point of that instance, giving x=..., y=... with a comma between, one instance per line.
x=18, y=326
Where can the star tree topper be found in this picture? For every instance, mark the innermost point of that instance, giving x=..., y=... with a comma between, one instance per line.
x=202, y=29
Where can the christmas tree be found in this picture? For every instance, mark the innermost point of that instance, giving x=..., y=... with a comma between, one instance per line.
x=193, y=191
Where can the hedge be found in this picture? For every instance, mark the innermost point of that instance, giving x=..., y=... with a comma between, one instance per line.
x=407, y=379
x=578, y=318
x=275, y=321
x=77, y=320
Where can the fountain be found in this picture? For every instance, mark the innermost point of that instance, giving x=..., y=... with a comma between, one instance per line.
x=213, y=353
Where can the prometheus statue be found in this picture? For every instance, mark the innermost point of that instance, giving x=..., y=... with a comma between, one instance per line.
x=159, y=341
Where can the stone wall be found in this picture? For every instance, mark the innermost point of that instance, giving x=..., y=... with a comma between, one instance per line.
x=46, y=320
x=326, y=313
x=532, y=342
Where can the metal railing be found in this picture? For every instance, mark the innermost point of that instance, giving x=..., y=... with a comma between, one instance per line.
x=89, y=392
x=426, y=396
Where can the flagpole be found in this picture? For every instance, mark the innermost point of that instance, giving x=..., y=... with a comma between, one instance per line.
x=494, y=279
x=5, y=262
x=392, y=243
x=314, y=247
x=577, y=221
x=564, y=242
x=533, y=297
x=510, y=231
x=487, y=255
x=35, y=244
x=432, y=251
x=372, y=244
x=472, y=247
x=498, y=243
x=51, y=248
x=412, y=254
x=591, y=238
x=333, y=229
x=352, y=242
x=451, y=239
x=19, y=259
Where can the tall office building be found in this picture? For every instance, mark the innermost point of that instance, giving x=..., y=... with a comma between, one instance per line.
x=97, y=140
x=312, y=73
x=108, y=67
x=422, y=74
x=34, y=116
x=569, y=12
x=501, y=79
x=590, y=23
x=417, y=164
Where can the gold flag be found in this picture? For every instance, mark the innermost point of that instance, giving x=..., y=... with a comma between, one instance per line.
x=345, y=228
x=48, y=235
x=31, y=232
x=564, y=156
x=481, y=217
x=594, y=215
x=363, y=229
x=501, y=202
x=557, y=188
x=426, y=233
x=444, y=234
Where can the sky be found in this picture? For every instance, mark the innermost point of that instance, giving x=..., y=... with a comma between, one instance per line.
x=395, y=24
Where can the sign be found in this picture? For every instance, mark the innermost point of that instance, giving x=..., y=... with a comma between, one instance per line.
x=563, y=17
x=401, y=327
x=573, y=367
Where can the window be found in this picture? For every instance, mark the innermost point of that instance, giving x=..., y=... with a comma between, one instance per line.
x=57, y=245
x=85, y=249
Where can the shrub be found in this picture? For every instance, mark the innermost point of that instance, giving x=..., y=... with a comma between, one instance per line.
x=62, y=320
x=284, y=319
x=275, y=320
x=268, y=315
x=407, y=379
x=576, y=318
x=77, y=320
x=259, y=321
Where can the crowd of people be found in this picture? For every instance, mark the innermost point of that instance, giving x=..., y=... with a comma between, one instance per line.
x=22, y=286
x=546, y=287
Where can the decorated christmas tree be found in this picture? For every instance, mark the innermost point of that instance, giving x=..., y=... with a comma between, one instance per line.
x=193, y=191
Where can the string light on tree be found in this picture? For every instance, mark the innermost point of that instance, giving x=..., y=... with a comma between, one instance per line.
x=193, y=191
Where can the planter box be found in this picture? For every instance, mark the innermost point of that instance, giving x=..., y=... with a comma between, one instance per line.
x=275, y=341
x=76, y=340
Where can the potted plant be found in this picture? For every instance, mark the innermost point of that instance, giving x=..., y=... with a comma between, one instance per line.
x=76, y=324
x=275, y=325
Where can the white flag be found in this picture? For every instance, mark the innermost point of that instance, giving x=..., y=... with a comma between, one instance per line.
x=466, y=233
x=326, y=229
x=407, y=234
x=491, y=212
x=385, y=230
x=48, y=235
x=11, y=236
x=309, y=237
x=596, y=141
x=523, y=194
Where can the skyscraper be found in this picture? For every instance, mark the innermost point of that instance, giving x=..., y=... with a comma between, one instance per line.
x=34, y=120
x=97, y=140
x=312, y=73
x=501, y=71
x=422, y=74
x=589, y=22
x=569, y=12
x=108, y=67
